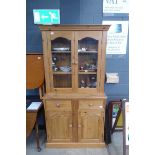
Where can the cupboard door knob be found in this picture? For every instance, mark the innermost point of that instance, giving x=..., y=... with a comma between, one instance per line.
x=79, y=126
x=52, y=33
x=57, y=105
x=90, y=104
x=38, y=57
x=70, y=125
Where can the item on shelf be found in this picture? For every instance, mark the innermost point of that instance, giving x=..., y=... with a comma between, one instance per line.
x=82, y=50
x=55, y=59
x=81, y=68
x=93, y=67
x=93, y=85
x=88, y=68
x=93, y=78
x=65, y=68
x=54, y=67
x=93, y=82
x=61, y=49
x=82, y=84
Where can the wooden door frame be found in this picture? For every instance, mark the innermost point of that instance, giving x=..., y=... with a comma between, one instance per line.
x=100, y=127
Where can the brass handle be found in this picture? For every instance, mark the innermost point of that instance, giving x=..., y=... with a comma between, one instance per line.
x=79, y=126
x=58, y=105
x=52, y=33
x=38, y=57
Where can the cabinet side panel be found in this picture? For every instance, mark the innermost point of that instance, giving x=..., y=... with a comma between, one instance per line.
x=103, y=61
x=46, y=65
x=49, y=59
x=99, y=65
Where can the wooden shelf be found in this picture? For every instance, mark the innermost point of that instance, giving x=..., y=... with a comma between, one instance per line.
x=57, y=52
x=87, y=52
x=62, y=72
x=88, y=72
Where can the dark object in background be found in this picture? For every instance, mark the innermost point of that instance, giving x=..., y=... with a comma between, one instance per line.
x=107, y=126
x=109, y=129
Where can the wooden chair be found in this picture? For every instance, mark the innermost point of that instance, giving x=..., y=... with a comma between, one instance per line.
x=34, y=79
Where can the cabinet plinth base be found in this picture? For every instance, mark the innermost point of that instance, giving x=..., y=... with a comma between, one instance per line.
x=75, y=145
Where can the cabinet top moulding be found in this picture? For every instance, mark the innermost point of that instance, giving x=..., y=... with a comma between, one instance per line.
x=74, y=27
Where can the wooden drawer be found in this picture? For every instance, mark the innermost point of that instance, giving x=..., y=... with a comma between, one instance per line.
x=58, y=105
x=91, y=104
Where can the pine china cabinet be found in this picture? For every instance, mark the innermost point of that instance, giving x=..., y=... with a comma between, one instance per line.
x=74, y=63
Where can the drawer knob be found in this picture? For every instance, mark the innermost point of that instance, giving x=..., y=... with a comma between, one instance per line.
x=79, y=126
x=90, y=104
x=70, y=125
x=52, y=33
x=57, y=105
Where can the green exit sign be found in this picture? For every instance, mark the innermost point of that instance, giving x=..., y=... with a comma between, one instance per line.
x=46, y=16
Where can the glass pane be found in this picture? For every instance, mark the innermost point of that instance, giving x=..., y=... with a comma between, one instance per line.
x=61, y=62
x=87, y=81
x=87, y=44
x=87, y=62
x=62, y=81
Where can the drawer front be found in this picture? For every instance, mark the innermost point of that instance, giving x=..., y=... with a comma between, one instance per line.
x=91, y=104
x=58, y=105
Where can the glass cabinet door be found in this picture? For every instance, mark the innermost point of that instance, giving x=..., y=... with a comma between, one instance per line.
x=87, y=62
x=88, y=50
x=61, y=55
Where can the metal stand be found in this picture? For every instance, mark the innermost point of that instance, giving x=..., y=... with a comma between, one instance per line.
x=117, y=117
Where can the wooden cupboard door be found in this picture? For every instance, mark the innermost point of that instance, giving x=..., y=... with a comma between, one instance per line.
x=59, y=126
x=90, y=126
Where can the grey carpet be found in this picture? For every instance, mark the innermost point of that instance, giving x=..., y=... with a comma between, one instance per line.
x=115, y=148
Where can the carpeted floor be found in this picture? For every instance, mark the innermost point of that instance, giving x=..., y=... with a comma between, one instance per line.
x=115, y=148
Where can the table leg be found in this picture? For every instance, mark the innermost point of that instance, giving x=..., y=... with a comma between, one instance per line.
x=37, y=136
